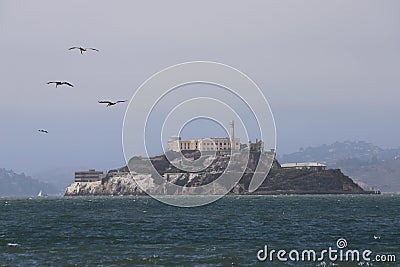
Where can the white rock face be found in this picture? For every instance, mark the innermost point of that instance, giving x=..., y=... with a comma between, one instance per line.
x=123, y=184
x=136, y=184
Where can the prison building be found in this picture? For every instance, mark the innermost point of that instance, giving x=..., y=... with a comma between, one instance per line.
x=176, y=143
x=88, y=176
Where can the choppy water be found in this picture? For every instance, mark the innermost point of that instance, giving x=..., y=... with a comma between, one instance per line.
x=140, y=231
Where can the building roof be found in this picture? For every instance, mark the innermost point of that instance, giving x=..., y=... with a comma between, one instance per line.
x=302, y=164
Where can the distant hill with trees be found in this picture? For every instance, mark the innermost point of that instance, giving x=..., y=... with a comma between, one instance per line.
x=13, y=184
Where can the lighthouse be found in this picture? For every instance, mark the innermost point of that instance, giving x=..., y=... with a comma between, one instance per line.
x=232, y=134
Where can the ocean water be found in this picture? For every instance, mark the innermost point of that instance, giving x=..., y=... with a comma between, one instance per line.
x=140, y=231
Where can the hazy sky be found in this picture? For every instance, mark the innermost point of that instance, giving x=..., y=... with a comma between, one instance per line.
x=329, y=69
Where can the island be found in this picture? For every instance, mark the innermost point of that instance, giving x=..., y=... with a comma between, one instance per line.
x=296, y=178
x=216, y=157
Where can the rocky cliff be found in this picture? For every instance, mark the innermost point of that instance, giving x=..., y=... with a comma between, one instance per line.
x=278, y=181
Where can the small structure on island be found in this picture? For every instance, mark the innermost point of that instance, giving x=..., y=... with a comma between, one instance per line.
x=314, y=166
x=258, y=146
x=89, y=176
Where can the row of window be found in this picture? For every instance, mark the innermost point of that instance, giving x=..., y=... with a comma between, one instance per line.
x=216, y=143
x=207, y=144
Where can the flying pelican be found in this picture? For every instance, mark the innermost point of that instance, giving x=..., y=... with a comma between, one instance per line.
x=83, y=49
x=110, y=103
x=57, y=83
x=43, y=131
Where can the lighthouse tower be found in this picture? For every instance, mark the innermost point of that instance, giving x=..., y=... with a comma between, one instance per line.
x=232, y=134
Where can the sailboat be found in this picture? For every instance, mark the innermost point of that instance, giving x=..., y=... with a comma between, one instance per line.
x=40, y=194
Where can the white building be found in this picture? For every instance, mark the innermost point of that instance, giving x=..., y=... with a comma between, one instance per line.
x=316, y=166
x=176, y=143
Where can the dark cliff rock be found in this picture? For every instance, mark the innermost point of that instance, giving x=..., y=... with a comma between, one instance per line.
x=286, y=181
x=278, y=181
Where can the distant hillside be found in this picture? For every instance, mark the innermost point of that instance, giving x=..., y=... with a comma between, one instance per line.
x=378, y=174
x=339, y=151
x=59, y=177
x=13, y=184
x=366, y=163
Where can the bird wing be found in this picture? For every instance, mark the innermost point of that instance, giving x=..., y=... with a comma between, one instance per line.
x=74, y=47
x=67, y=83
x=50, y=82
x=93, y=49
x=121, y=101
x=105, y=102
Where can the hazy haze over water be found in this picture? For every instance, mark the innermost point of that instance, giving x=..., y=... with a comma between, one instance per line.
x=330, y=70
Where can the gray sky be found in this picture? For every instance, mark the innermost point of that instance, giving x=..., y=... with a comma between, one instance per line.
x=330, y=70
